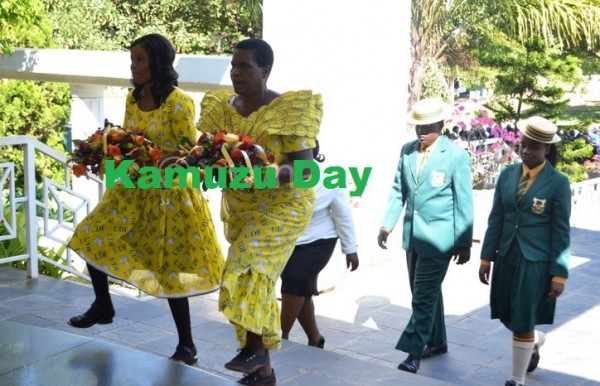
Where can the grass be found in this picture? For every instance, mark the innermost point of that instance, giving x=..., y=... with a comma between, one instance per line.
x=587, y=112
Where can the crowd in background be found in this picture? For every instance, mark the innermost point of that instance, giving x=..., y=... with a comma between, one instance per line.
x=591, y=137
x=463, y=135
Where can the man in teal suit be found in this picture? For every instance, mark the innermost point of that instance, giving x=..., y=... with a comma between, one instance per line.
x=528, y=239
x=433, y=182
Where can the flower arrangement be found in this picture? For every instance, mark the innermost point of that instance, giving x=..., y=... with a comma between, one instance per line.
x=113, y=143
x=488, y=154
x=223, y=149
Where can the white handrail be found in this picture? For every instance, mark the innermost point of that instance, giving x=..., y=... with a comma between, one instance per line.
x=31, y=147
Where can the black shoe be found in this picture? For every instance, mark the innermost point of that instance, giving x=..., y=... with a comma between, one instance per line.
x=513, y=383
x=247, y=361
x=96, y=314
x=433, y=351
x=253, y=379
x=184, y=354
x=535, y=359
x=321, y=343
x=410, y=364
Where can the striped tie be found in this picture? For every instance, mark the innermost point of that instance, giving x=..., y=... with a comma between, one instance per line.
x=522, y=187
x=424, y=158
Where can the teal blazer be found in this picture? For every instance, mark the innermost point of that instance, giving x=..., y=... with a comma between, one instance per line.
x=539, y=222
x=439, y=206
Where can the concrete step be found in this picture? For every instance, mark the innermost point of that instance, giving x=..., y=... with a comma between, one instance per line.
x=34, y=356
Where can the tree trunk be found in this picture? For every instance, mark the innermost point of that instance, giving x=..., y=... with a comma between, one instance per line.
x=414, y=85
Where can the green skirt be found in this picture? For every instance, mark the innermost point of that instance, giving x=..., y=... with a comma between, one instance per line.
x=519, y=291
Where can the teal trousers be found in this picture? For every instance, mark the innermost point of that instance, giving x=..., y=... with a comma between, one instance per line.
x=426, y=325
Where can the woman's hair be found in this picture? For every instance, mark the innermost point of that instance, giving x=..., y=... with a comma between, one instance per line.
x=263, y=53
x=161, y=56
x=552, y=155
x=316, y=155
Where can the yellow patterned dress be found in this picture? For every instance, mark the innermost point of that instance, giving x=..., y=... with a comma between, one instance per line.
x=162, y=241
x=262, y=225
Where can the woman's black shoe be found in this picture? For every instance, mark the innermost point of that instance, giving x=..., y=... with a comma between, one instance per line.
x=184, y=354
x=96, y=314
x=254, y=379
x=321, y=343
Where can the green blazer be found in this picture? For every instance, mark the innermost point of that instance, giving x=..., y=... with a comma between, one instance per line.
x=439, y=205
x=539, y=222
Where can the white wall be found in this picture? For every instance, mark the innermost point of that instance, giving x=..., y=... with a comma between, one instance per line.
x=356, y=54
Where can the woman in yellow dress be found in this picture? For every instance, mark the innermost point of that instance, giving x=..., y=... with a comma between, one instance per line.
x=261, y=225
x=162, y=241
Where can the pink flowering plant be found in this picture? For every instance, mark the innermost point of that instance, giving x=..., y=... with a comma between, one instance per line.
x=491, y=154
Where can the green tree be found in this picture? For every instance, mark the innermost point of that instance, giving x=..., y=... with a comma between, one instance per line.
x=572, y=157
x=533, y=81
x=40, y=110
x=194, y=27
x=22, y=23
x=30, y=108
x=35, y=109
x=436, y=26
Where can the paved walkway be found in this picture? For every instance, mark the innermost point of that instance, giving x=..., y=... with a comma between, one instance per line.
x=361, y=319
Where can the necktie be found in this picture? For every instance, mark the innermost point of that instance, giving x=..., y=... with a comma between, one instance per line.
x=522, y=187
x=422, y=162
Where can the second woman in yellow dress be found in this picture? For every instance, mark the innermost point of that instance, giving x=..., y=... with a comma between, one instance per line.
x=261, y=225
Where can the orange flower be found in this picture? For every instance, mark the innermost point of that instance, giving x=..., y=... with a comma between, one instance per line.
x=118, y=136
x=155, y=154
x=246, y=140
x=221, y=162
x=113, y=150
x=139, y=139
x=219, y=137
x=79, y=170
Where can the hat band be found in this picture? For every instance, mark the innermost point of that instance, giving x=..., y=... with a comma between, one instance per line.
x=424, y=116
x=538, y=135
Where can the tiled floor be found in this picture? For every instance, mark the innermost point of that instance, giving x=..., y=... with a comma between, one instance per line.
x=361, y=319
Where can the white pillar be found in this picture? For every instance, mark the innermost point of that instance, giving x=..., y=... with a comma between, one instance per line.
x=357, y=55
x=87, y=114
x=87, y=109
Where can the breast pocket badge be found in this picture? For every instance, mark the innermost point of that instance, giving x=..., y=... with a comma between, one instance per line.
x=538, y=206
x=437, y=179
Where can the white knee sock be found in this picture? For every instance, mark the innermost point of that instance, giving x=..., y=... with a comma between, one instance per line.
x=540, y=338
x=522, y=349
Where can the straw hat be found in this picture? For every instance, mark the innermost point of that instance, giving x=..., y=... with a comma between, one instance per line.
x=539, y=129
x=428, y=111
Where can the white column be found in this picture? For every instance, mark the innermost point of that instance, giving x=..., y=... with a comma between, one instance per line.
x=357, y=55
x=87, y=114
x=87, y=109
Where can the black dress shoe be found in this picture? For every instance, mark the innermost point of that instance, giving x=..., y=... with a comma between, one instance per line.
x=433, y=351
x=184, y=354
x=247, y=361
x=535, y=359
x=410, y=364
x=253, y=379
x=321, y=343
x=96, y=314
x=513, y=383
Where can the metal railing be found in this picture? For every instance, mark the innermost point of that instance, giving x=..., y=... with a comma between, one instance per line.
x=585, y=191
x=52, y=193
